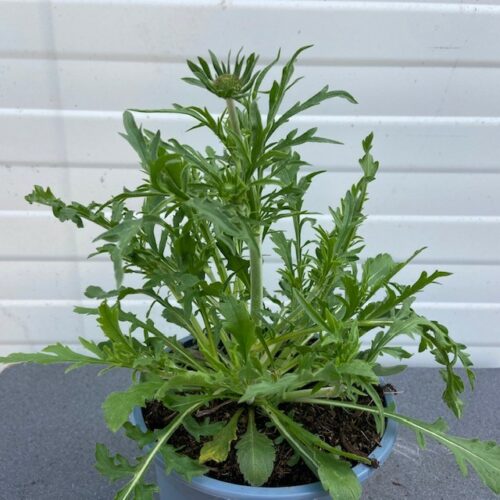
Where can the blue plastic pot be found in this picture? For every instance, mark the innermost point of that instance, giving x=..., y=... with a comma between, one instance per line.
x=174, y=487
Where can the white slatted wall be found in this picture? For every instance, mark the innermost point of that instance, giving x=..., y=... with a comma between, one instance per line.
x=427, y=78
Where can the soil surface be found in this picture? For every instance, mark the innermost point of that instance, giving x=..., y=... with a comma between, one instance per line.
x=353, y=431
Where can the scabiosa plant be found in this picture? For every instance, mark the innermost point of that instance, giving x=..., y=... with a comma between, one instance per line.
x=197, y=242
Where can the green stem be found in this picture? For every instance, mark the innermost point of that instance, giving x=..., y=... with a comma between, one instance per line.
x=303, y=394
x=233, y=117
x=256, y=285
x=256, y=282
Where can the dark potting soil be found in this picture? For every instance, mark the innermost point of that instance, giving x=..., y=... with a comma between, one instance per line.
x=351, y=430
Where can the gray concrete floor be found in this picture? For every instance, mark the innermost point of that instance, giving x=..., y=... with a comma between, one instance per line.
x=50, y=422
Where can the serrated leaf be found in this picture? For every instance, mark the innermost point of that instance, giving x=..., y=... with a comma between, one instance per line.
x=114, y=467
x=181, y=464
x=198, y=429
x=337, y=477
x=108, y=320
x=118, y=405
x=267, y=388
x=141, y=491
x=141, y=438
x=256, y=454
x=482, y=456
x=218, y=448
x=359, y=368
x=56, y=353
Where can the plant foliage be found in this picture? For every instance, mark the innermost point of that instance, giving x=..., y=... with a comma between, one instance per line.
x=197, y=242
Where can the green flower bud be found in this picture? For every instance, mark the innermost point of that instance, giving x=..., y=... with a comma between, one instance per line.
x=227, y=86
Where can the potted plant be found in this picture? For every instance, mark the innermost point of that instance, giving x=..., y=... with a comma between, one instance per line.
x=271, y=394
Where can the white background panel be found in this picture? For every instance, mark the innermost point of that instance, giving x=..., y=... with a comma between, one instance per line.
x=379, y=90
x=172, y=30
x=426, y=75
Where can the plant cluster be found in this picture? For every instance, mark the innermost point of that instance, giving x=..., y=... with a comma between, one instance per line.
x=197, y=242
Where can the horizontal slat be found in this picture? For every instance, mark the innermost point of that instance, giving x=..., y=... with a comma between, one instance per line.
x=170, y=30
x=47, y=321
x=401, y=143
x=394, y=193
x=92, y=85
x=459, y=240
x=69, y=279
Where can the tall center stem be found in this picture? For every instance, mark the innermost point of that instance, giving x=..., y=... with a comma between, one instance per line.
x=256, y=282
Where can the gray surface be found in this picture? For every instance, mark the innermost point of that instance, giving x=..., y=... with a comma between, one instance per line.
x=50, y=422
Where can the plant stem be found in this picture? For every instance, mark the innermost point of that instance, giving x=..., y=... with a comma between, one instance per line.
x=256, y=286
x=256, y=282
x=303, y=394
x=233, y=117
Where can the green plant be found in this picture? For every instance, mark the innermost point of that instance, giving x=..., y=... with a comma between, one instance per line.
x=197, y=243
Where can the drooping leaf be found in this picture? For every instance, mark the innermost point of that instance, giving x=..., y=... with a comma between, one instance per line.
x=218, y=448
x=482, y=456
x=114, y=467
x=56, y=353
x=181, y=464
x=118, y=405
x=337, y=477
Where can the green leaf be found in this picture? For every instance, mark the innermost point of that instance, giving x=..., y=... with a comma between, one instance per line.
x=220, y=216
x=141, y=438
x=121, y=238
x=75, y=212
x=311, y=312
x=198, y=429
x=239, y=323
x=376, y=269
x=256, y=454
x=114, y=467
x=359, y=368
x=482, y=456
x=108, y=320
x=56, y=353
x=135, y=137
x=271, y=387
x=130, y=488
x=118, y=405
x=337, y=477
x=218, y=448
x=181, y=464
x=385, y=371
